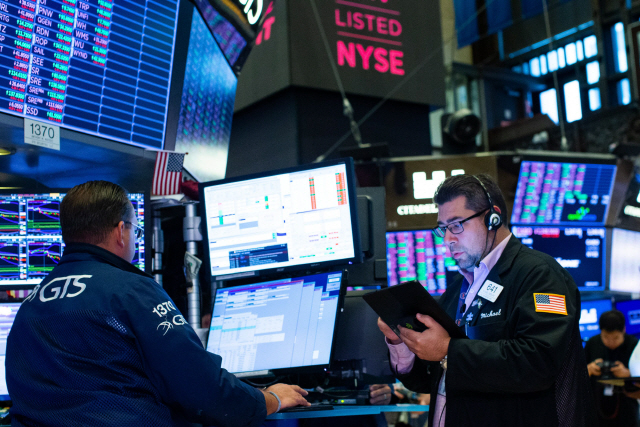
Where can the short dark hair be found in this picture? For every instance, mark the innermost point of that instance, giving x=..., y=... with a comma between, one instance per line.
x=469, y=187
x=91, y=210
x=611, y=321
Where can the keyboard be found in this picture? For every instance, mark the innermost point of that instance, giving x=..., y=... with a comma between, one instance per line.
x=313, y=407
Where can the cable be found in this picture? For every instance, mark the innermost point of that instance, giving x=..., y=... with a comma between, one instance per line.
x=564, y=146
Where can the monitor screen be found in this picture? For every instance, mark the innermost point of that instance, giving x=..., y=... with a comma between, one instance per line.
x=294, y=218
x=102, y=68
x=419, y=255
x=631, y=311
x=561, y=193
x=31, y=239
x=580, y=250
x=590, y=312
x=8, y=312
x=624, y=271
x=206, y=106
x=281, y=324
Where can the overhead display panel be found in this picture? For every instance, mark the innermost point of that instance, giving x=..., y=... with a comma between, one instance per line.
x=563, y=193
x=101, y=67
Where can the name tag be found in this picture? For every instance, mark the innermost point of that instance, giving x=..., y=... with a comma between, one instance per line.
x=490, y=291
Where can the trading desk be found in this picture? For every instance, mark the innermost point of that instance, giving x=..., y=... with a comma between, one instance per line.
x=347, y=411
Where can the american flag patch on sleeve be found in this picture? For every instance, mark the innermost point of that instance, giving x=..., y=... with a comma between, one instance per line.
x=550, y=303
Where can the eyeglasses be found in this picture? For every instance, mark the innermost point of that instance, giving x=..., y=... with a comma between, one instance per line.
x=455, y=227
x=139, y=230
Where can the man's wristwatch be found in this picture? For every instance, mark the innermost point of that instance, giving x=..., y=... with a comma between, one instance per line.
x=443, y=363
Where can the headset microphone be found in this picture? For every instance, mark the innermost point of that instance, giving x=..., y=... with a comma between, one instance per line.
x=492, y=220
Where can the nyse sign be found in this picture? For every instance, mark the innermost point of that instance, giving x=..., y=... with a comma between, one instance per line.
x=411, y=186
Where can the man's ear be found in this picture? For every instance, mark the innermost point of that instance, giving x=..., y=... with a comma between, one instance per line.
x=118, y=234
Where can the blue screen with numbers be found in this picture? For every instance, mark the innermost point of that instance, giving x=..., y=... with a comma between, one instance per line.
x=101, y=67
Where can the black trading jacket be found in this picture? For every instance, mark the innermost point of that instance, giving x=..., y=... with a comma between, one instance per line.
x=521, y=367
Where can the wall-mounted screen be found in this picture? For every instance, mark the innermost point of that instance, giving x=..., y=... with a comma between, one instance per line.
x=624, y=272
x=206, y=106
x=8, y=311
x=419, y=255
x=580, y=250
x=563, y=193
x=31, y=239
x=276, y=325
x=99, y=67
x=590, y=312
x=287, y=219
x=631, y=311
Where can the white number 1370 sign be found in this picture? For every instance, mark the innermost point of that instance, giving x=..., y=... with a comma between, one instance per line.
x=41, y=134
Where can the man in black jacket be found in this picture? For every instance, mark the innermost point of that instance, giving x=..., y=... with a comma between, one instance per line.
x=523, y=364
x=100, y=343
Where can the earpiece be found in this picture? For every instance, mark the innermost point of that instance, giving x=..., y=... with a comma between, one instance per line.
x=492, y=220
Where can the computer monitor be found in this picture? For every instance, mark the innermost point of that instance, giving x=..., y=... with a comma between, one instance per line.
x=631, y=311
x=282, y=326
x=419, y=255
x=371, y=273
x=590, y=312
x=101, y=68
x=298, y=218
x=8, y=312
x=31, y=239
x=359, y=340
x=580, y=250
x=560, y=192
x=624, y=271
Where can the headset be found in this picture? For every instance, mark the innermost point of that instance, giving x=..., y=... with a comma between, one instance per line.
x=492, y=220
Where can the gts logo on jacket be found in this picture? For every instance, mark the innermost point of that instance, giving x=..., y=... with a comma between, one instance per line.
x=48, y=293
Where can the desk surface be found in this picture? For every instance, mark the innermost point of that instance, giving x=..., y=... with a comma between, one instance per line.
x=349, y=410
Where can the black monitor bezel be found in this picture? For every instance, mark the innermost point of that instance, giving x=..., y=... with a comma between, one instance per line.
x=309, y=369
x=353, y=208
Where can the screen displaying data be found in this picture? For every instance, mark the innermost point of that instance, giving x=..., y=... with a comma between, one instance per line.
x=624, y=271
x=590, y=312
x=563, y=193
x=275, y=325
x=230, y=40
x=31, y=239
x=206, y=107
x=631, y=311
x=580, y=250
x=8, y=312
x=97, y=66
x=422, y=256
x=281, y=220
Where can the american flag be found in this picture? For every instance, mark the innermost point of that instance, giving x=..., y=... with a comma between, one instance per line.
x=168, y=173
x=550, y=303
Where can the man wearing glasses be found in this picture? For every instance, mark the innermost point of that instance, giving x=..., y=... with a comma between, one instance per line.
x=523, y=364
x=100, y=343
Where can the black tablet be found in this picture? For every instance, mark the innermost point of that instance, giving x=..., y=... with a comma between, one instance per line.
x=398, y=305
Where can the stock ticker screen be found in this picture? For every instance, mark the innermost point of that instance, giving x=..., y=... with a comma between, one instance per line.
x=580, y=250
x=101, y=67
x=422, y=256
x=563, y=193
x=31, y=240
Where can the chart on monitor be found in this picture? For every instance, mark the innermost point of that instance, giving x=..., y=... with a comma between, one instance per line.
x=562, y=193
x=282, y=220
x=31, y=242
